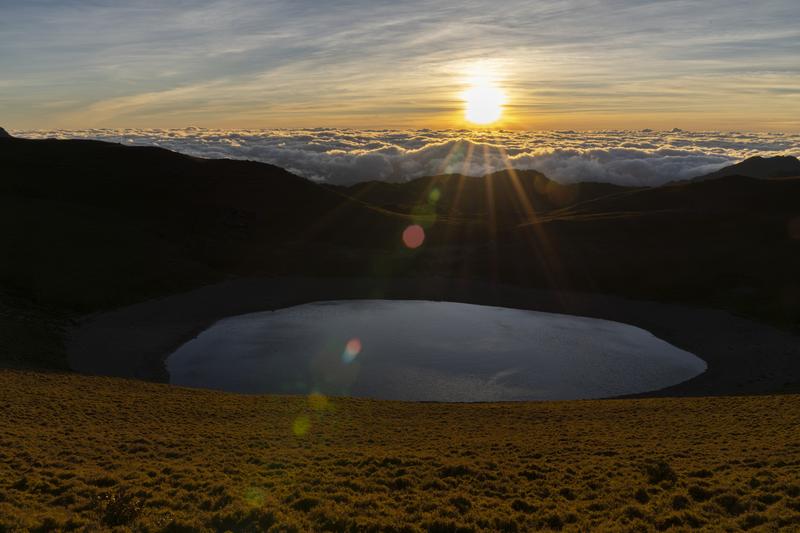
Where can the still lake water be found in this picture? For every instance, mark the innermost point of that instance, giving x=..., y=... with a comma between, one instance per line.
x=431, y=351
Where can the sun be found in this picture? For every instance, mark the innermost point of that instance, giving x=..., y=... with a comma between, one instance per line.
x=484, y=102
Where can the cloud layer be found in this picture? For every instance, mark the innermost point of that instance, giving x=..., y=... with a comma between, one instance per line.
x=347, y=156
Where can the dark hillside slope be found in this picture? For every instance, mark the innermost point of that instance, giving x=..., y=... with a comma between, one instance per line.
x=760, y=167
x=729, y=194
x=731, y=243
x=90, y=224
x=148, y=181
x=508, y=196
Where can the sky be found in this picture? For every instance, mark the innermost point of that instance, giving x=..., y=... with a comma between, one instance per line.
x=567, y=64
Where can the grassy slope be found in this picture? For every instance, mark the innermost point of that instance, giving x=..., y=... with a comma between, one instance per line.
x=79, y=451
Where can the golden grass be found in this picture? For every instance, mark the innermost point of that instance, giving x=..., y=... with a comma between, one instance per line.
x=86, y=453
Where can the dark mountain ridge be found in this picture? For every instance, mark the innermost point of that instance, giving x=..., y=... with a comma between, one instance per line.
x=88, y=225
x=513, y=194
x=508, y=196
x=151, y=181
x=779, y=166
x=727, y=194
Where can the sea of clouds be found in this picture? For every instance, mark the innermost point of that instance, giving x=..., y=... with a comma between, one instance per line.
x=344, y=156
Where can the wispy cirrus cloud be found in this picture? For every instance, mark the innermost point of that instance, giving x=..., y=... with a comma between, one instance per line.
x=342, y=156
x=720, y=64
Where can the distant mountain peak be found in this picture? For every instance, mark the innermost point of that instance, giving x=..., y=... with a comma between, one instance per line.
x=779, y=166
x=4, y=134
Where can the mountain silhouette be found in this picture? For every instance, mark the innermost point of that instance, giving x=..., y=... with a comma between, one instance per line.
x=760, y=167
x=4, y=134
x=508, y=196
x=88, y=225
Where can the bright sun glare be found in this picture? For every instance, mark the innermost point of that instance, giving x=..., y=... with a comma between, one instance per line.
x=484, y=102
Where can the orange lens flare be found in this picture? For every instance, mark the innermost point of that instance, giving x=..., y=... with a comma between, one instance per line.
x=413, y=236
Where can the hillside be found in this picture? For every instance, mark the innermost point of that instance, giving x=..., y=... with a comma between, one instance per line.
x=508, y=197
x=760, y=167
x=101, y=453
x=731, y=242
x=725, y=195
x=89, y=226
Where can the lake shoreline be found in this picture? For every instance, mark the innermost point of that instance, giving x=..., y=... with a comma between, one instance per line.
x=421, y=350
x=743, y=357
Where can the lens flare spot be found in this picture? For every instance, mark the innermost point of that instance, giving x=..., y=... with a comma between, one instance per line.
x=351, y=350
x=413, y=236
x=318, y=401
x=254, y=497
x=301, y=425
x=434, y=195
